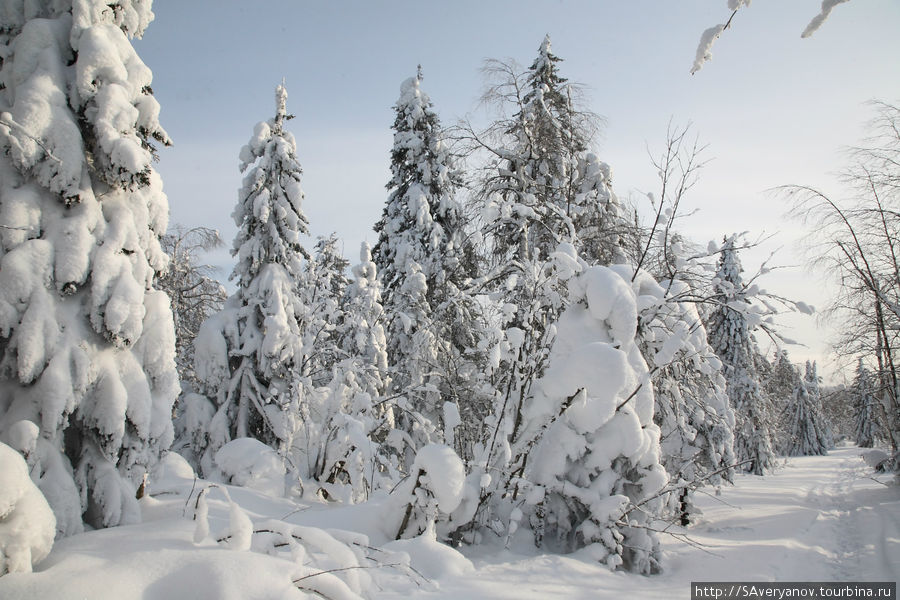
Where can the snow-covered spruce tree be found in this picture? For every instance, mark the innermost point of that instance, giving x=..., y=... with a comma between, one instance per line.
x=804, y=435
x=351, y=462
x=691, y=405
x=323, y=292
x=248, y=355
x=593, y=471
x=729, y=331
x=812, y=380
x=779, y=387
x=539, y=189
x=865, y=407
x=87, y=344
x=425, y=261
x=547, y=187
x=361, y=333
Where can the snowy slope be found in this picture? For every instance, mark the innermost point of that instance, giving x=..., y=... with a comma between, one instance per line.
x=822, y=518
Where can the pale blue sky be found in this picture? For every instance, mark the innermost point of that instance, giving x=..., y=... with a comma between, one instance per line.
x=773, y=108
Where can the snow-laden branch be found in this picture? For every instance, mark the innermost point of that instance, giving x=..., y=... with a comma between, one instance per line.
x=827, y=7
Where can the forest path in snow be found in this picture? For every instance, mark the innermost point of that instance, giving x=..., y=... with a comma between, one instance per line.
x=817, y=518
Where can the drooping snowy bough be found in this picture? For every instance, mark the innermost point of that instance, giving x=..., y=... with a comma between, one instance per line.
x=27, y=524
x=87, y=344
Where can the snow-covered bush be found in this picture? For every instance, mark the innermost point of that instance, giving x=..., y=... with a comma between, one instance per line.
x=88, y=352
x=250, y=463
x=593, y=467
x=27, y=524
x=433, y=488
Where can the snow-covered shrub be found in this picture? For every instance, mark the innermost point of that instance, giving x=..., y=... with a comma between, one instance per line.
x=250, y=463
x=434, y=488
x=593, y=467
x=27, y=524
x=88, y=352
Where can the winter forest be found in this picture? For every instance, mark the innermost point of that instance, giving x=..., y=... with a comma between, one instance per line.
x=525, y=384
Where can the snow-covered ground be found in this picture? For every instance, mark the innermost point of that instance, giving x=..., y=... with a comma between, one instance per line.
x=823, y=518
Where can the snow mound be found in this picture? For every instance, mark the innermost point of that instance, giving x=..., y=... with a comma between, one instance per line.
x=444, y=475
x=250, y=463
x=173, y=466
x=876, y=459
x=27, y=525
x=430, y=557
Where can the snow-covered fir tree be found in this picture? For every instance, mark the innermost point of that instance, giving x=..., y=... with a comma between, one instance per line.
x=351, y=461
x=804, y=437
x=525, y=220
x=361, y=333
x=425, y=262
x=535, y=200
x=248, y=355
x=779, y=387
x=865, y=407
x=730, y=337
x=87, y=344
x=691, y=404
x=812, y=380
x=323, y=289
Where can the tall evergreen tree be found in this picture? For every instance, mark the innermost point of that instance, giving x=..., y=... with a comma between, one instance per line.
x=425, y=263
x=248, y=355
x=730, y=338
x=780, y=386
x=87, y=344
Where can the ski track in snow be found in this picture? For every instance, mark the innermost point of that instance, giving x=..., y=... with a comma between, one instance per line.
x=820, y=518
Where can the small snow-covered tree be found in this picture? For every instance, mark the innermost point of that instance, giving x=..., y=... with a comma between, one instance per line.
x=425, y=261
x=248, y=355
x=593, y=471
x=87, y=343
x=691, y=404
x=323, y=290
x=361, y=332
x=193, y=289
x=865, y=407
x=729, y=330
x=353, y=462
